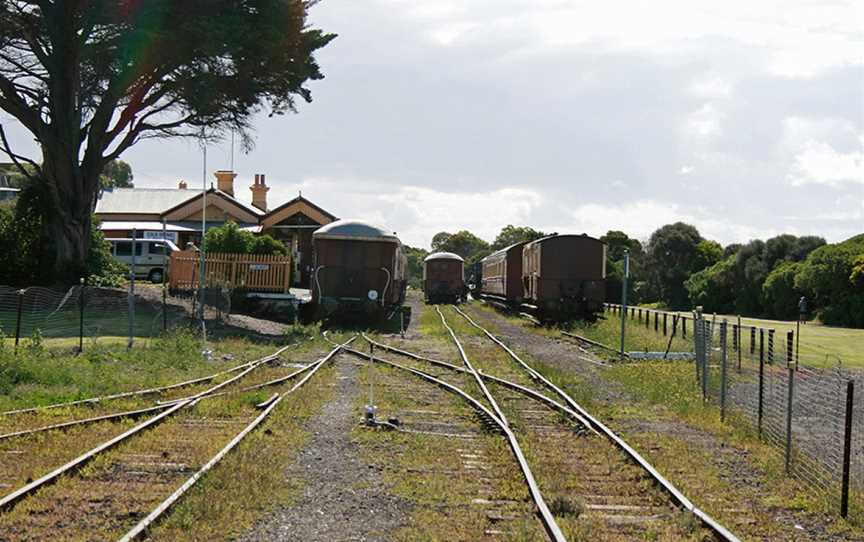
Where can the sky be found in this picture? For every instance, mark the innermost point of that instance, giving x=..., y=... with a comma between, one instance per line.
x=744, y=118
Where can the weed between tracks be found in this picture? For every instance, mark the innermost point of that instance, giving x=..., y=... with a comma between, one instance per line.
x=251, y=480
x=451, y=481
x=115, y=490
x=726, y=471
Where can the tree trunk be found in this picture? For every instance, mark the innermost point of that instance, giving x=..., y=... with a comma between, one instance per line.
x=66, y=217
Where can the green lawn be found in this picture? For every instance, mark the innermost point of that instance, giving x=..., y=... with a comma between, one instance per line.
x=820, y=345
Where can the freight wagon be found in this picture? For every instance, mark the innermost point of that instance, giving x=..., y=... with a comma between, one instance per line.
x=564, y=276
x=359, y=271
x=444, y=278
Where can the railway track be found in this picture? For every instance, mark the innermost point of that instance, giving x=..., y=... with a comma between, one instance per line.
x=617, y=492
x=147, y=461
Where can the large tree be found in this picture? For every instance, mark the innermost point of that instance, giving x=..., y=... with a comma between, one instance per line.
x=510, y=235
x=90, y=79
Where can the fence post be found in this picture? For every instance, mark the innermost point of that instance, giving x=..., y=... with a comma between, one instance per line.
x=723, y=359
x=656, y=320
x=761, y=378
x=18, y=319
x=81, y=316
x=664, y=324
x=647, y=318
x=790, y=353
x=131, y=316
x=847, y=449
x=684, y=327
x=752, y=340
x=740, y=346
x=703, y=329
x=771, y=347
x=791, y=390
x=697, y=350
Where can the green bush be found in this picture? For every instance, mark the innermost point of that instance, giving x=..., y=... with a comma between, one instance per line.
x=231, y=239
x=21, y=260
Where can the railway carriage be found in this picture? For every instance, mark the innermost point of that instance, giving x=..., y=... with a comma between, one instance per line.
x=501, y=275
x=564, y=276
x=359, y=270
x=444, y=278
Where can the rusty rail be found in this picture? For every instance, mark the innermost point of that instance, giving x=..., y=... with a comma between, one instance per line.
x=635, y=456
x=13, y=498
x=549, y=523
x=141, y=527
x=545, y=515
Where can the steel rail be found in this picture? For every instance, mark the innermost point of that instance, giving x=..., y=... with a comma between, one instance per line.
x=141, y=527
x=147, y=391
x=11, y=499
x=159, y=406
x=635, y=456
x=471, y=368
x=534, y=394
x=104, y=417
x=548, y=520
x=593, y=343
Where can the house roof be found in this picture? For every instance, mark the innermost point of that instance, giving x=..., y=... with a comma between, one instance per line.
x=215, y=191
x=299, y=199
x=142, y=200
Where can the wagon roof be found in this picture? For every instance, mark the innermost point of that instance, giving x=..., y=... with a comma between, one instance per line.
x=556, y=236
x=354, y=229
x=505, y=249
x=443, y=256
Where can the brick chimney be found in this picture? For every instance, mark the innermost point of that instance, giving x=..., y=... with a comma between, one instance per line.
x=182, y=185
x=259, y=192
x=225, y=181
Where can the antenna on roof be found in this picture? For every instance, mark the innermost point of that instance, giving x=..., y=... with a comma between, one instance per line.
x=300, y=192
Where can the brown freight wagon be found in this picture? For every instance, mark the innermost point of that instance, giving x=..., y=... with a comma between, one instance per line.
x=564, y=276
x=359, y=270
x=444, y=278
x=501, y=275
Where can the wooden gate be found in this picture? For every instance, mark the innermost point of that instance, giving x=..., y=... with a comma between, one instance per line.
x=251, y=272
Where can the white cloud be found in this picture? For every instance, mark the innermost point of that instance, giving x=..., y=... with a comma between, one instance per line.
x=426, y=211
x=819, y=163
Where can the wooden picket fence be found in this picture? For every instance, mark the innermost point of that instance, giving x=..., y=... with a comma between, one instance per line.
x=251, y=272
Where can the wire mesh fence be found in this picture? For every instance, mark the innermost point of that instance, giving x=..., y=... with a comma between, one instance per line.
x=761, y=378
x=83, y=315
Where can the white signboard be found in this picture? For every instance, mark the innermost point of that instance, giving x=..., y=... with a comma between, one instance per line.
x=170, y=235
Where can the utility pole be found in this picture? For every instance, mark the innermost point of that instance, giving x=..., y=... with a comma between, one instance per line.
x=624, y=298
x=201, y=277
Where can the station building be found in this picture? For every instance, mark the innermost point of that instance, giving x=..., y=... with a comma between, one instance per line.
x=144, y=211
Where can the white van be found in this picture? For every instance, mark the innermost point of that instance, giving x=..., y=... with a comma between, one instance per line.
x=149, y=256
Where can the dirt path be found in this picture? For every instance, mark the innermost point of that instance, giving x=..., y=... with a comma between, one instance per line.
x=344, y=497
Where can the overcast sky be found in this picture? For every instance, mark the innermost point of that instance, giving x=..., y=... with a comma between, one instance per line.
x=744, y=118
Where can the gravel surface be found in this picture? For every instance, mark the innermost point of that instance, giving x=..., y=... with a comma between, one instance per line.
x=344, y=497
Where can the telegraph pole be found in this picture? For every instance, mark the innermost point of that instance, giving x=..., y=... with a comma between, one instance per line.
x=624, y=298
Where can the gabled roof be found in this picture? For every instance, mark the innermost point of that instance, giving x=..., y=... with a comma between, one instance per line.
x=215, y=192
x=141, y=200
x=287, y=209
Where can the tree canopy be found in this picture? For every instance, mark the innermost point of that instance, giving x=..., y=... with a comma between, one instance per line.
x=463, y=243
x=510, y=235
x=90, y=79
x=116, y=174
